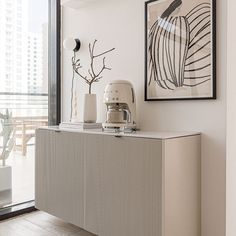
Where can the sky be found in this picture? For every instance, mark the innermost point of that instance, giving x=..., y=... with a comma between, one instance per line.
x=38, y=14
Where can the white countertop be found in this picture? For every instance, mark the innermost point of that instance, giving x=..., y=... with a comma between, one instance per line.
x=137, y=134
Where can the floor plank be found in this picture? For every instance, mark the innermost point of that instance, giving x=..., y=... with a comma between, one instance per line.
x=39, y=224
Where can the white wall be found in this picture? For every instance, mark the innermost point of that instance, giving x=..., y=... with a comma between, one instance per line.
x=120, y=24
x=231, y=124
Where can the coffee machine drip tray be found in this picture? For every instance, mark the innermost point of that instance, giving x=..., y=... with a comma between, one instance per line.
x=118, y=128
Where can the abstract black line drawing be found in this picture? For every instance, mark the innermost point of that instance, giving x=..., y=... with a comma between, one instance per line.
x=179, y=57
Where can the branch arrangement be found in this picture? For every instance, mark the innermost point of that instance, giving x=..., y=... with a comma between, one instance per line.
x=93, y=76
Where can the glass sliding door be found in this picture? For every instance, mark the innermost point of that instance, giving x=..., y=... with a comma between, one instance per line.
x=24, y=99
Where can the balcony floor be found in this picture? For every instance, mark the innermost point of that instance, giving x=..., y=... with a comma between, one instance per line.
x=22, y=175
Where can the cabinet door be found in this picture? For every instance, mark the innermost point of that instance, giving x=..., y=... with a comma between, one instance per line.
x=60, y=175
x=94, y=151
x=130, y=187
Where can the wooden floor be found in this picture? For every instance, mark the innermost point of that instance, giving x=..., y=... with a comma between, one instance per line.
x=39, y=224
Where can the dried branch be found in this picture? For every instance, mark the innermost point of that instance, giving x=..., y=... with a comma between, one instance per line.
x=90, y=73
x=103, y=67
x=101, y=54
x=76, y=66
x=95, y=76
x=98, y=79
x=95, y=41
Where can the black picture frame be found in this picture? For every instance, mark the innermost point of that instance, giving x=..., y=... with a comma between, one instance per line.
x=213, y=58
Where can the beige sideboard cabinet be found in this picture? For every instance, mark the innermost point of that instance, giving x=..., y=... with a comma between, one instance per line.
x=142, y=184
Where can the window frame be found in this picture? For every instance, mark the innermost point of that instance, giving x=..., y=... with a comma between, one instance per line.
x=54, y=63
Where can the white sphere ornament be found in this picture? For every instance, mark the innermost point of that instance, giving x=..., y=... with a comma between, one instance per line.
x=72, y=44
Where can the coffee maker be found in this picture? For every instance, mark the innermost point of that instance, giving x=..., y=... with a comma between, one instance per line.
x=119, y=98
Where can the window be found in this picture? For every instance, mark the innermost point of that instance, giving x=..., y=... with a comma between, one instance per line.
x=8, y=33
x=23, y=74
x=8, y=26
x=9, y=5
x=7, y=54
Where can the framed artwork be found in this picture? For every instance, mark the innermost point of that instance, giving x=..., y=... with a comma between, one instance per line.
x=180, y=48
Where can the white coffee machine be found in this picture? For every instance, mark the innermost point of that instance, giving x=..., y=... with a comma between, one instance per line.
x=119, y=98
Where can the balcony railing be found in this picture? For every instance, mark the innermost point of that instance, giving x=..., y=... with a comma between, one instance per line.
x=24, y=104
x=28, y=112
